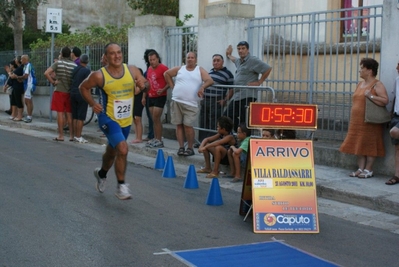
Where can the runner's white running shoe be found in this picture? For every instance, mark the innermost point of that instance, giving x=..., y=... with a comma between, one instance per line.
x=123, y=192
x=100, y=185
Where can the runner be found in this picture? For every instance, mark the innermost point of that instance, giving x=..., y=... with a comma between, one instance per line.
x=114, y=111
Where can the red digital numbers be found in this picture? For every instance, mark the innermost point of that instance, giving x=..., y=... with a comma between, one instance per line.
x=282, y=116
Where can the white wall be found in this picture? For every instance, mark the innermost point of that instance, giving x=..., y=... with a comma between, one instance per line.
x=286, y=7
x=265, y=8
x=222, y=27
x=142, y=38
x=390, y=41
x=189, y=7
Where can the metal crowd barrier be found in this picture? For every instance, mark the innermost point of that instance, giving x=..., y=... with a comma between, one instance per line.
x=212, y=108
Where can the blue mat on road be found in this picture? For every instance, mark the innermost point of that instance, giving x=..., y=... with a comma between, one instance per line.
x=268, y=254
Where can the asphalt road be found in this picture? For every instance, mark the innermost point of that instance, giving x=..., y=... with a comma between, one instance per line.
x=51, y=215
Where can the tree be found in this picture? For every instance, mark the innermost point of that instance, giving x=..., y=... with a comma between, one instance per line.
x=11, y=11
x=156, y=7
x=6, y=37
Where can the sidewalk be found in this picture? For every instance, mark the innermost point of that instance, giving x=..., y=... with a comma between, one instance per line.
x=332, y=183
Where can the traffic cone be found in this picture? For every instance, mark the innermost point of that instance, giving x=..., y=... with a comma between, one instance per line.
x=160, y=161
x=214, y=194
x=191, y=181
x=169, y=170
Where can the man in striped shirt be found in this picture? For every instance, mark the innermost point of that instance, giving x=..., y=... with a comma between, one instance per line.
x=61, y=101
x=215, y=97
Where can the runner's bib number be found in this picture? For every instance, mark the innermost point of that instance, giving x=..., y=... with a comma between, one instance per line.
x=123, y=108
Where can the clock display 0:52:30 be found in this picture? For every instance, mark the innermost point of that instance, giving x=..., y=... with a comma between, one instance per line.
x=282, y=115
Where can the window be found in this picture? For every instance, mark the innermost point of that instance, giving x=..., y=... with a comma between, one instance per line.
x=357, y=23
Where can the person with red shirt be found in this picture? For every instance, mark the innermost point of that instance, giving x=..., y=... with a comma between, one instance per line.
x=157, y=95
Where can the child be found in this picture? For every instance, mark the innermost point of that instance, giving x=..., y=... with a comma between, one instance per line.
x=217, y=145
x=239, y=155
x=267, y=134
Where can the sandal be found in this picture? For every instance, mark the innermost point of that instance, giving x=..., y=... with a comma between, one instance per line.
x=204, y=171
x=393, y=180
x=212, y=175
x=180, y=152
x=356, y=173
x=365, y=174
x=188, y=152
x=236, y=180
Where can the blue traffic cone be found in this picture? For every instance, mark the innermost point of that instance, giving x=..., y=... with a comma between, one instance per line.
x=160, y=161
x=191, y=181
x=169, y=170
x=214, y=194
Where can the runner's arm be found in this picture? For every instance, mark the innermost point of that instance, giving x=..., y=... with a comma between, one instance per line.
x=95, y=79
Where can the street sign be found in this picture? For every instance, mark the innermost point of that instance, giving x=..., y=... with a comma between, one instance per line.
x=54, y=20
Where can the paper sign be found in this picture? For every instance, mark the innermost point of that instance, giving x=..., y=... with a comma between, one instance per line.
x=283, y=186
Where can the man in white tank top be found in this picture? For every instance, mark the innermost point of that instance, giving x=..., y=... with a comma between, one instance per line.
x=187, y=90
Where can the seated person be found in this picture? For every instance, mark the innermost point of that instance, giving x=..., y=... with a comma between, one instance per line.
x=238, y=156
x=268, y=134
x=217, y=145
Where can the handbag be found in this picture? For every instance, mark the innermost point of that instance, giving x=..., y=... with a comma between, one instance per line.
x=375, y=113
x=9, y=90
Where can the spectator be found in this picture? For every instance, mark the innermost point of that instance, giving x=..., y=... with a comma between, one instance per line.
x=215, y=98
x=7, y=88
x=189, y=86
x=17, y=84
x=150, y=134
x=156, y=95
x=61, y=101
x=394, y=132
x=365, y=140
x=75, y=55
x=285, y=134
x=268, y=134
x=28, y=87
x=217, y=145
x=103, y=62
x=248, y=70
x=78, y=104
x=238, y=156
x=139, y=103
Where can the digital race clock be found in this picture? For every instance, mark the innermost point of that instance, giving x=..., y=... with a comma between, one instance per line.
x=282, y=116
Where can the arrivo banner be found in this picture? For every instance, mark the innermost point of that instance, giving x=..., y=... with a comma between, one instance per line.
x=283, y=186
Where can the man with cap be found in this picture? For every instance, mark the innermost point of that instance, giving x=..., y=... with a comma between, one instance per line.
x=78, y=104
x=248, y=70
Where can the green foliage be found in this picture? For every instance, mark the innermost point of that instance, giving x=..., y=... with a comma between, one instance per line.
x=8, y=16
x=92, y=35
x=31, y=4
x=187, y=17
x=6, y=37
x=156, y=7
x=31, y=36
